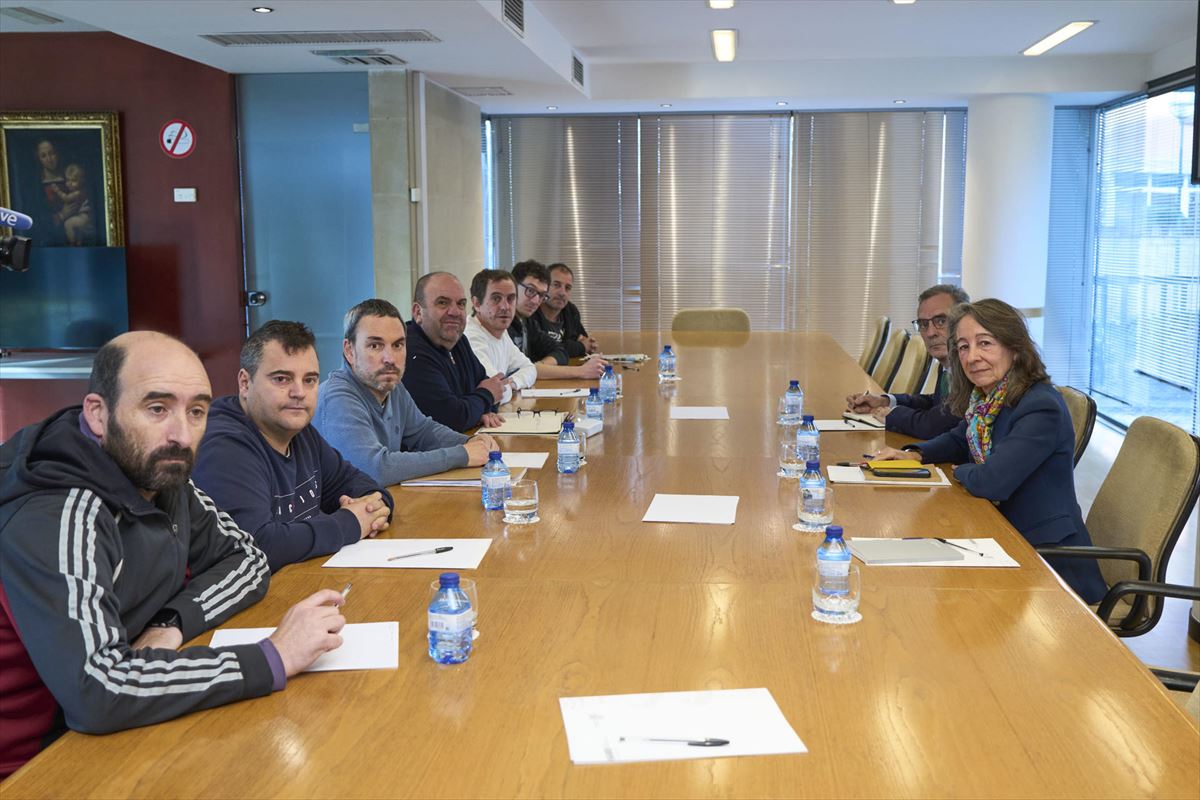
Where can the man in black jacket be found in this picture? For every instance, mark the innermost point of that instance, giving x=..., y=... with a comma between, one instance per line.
x=444, y=377
x=922, y=416
x=559, y=318
x=110, y=559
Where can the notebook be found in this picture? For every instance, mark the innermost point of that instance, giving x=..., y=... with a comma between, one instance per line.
x=529, y=422
x=464, y=478
x=907, y=551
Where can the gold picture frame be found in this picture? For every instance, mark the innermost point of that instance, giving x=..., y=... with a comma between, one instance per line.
x=38, y=149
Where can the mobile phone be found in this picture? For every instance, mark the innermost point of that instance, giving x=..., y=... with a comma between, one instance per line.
x=901, y=473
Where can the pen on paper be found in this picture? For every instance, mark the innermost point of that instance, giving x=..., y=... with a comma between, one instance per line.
x=946, y=541
x=430, y=552
x=706, y=742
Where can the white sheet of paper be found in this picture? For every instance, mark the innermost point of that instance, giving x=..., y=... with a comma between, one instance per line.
x=554, y=392
x=365, y=645
x=995, y=555
x=513, y=460
x=855, y=475
x=843, y=425
x=708, y=509
x=699, y=412
x=748, y=718
x=467, y=554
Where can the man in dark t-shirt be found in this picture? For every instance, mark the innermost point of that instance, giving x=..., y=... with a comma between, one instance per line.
x=559, y=318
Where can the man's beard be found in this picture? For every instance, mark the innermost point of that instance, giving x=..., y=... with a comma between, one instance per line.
x=146, y=472
x=376, y=380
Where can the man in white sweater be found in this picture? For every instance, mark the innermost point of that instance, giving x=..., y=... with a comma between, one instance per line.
x=494, y=298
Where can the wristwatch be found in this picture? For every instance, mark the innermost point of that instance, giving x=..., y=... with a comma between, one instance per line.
x=167, y=618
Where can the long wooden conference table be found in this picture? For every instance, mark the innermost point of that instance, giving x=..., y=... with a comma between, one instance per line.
x=956, y=683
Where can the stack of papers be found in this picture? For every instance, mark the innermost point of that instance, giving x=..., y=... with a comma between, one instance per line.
x=846, y=424
x=365, y=645
x=706, y=509
x=699, y=412
x=993, y=554
x=621, y=728
x=861, y=476
x=374, y=553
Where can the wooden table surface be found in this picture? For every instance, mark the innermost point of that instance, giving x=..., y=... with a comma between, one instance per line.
x=957, y=682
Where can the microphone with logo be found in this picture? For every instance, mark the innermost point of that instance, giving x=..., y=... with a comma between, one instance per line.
x=14, y=250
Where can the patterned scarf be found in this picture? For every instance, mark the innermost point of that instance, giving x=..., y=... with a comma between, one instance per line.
x=981, y=413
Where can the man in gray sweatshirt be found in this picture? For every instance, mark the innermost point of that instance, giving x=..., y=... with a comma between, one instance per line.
x=365, y=412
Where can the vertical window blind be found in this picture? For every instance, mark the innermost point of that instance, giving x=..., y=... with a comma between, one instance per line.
x=1067, y=344
x=1146, y=306
x=809, y=221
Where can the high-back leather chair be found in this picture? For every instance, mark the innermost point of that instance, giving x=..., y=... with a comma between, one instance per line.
x=913, y=370
x=874, y=345
x=710, y=319
x=1083, y=416
x=889, y=359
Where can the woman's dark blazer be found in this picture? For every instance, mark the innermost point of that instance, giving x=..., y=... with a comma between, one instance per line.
x=1030, y=477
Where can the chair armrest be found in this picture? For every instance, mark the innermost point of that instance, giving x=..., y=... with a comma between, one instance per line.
x=1142, y=589
x=1176, y=681
x=1133, y=554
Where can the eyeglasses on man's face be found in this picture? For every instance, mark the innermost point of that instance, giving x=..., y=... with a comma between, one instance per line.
x=531, y=291
x=938, y=323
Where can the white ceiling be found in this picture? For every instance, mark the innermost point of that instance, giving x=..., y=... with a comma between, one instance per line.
x=640, y=54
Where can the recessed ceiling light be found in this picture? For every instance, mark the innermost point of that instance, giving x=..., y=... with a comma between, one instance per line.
x=899, y=102
x=664, y=105
x=724, y=42
x=1058, y=37
x=904, y=2
x=552, y=108
x=781, y=102
x=721, y=5
x=262, y=10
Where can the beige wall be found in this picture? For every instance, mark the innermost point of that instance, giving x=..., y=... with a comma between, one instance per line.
x=453, y=191
x=391, y=208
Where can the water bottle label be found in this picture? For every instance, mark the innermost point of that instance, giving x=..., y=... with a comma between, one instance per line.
x=496, y=481
x=815, y=495
x=568, y=448
x=451, y=623
x=833, y=569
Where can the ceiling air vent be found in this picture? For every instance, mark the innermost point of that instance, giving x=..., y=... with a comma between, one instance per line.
x=577, y=71
x=28, y=16
x=482, y=91
x=514, y=14
x=319, y=37
x=361, y=58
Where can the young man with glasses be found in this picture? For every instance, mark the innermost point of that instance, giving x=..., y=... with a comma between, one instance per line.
x=547, y=353
x=921, y=415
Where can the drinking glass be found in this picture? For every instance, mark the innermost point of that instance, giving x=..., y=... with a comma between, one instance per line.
x=620, y=384
x=812, y=521
x=790, y=465
x=521, y=508
x=837, y=602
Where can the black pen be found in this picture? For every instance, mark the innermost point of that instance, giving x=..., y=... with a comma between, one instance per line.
x=708, y=742
x=433, y=551
x=945, y=541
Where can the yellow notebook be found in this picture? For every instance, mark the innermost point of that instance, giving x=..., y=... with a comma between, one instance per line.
x=909, y=464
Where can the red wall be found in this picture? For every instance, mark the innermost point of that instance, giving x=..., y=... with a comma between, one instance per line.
x=184, y=260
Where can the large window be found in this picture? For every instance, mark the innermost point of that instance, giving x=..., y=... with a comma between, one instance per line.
x=809, y=221
x=1146, y=289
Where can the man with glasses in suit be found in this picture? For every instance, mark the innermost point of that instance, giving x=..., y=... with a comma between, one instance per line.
x=922, y=416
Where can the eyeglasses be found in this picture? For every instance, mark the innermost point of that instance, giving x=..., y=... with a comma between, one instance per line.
x=938, y=322
x=532, y=292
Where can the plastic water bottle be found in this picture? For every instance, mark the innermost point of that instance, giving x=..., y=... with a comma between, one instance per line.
x=451, y=622
x=808, y=440
x=812, y=497
x=568, y=448
x=666, y=364
x=608, y=386
x=594, y=405
x=793, y=404
x=493, y=482
x=833, y=563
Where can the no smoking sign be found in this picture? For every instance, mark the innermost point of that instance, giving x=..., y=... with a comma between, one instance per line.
x=177, y=139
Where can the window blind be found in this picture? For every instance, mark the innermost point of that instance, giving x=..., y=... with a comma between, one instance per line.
x=566, y=190
x=1146, y=306
x=878, y=205
x=714, y=216
x=1066, y=347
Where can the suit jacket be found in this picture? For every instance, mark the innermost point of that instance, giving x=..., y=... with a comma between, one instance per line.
x=922, y=416
x=1030, y=476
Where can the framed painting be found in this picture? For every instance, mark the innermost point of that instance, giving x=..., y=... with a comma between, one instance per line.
x=63, y=169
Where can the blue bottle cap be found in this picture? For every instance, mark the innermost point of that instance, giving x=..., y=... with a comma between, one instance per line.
x=667, y=347
x=593, y=392
x=608, y=369
x=793, y=384
x=494, y=455
x=812, y=466
x=448, y=580
x=808, y=418
x=568, y=426
x=833, y=532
